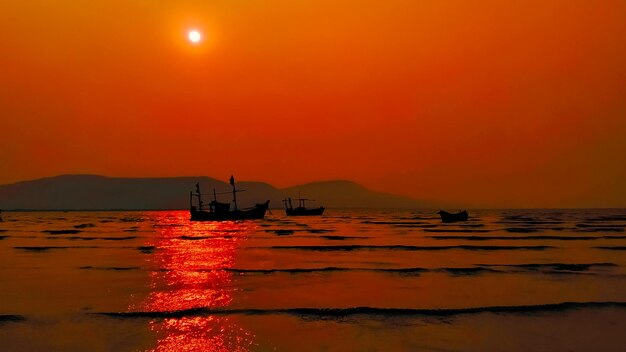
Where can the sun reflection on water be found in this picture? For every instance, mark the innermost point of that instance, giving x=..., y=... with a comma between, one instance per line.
x=190, y=276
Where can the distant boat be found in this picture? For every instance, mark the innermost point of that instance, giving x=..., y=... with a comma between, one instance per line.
x=221, y=211
x=453, y=217
x=301, y=209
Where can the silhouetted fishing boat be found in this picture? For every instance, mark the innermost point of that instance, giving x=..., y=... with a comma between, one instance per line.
x=301, y=209
x=453, y=217
x=221, y=211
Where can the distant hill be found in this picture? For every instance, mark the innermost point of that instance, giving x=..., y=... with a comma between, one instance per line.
x=347, y=194
x=93, y=192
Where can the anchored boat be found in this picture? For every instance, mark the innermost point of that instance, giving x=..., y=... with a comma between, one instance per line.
x=453, y=217
x=221, y=211
x=301, y=209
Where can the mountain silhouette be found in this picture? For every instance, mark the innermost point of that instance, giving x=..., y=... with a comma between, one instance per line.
x=94, y=192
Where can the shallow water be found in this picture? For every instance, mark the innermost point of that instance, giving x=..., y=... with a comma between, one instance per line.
x=350, y=280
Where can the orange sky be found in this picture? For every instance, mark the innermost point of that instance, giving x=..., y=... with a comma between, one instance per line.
x=480, y=103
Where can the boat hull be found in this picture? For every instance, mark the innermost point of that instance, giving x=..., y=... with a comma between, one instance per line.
x=256, y=213
x=305, y=212
x=453, y=217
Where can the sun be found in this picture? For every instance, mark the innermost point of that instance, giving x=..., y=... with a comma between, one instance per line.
x=194, y=36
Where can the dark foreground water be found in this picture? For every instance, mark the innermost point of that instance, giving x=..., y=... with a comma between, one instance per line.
x=540, y=280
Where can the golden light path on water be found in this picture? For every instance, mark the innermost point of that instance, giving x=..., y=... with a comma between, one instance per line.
x=191, y=277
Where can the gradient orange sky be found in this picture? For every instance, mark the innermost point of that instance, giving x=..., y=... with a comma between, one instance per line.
x=478, y=103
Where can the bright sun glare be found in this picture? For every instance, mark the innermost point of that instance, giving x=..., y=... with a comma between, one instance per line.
x=194, y=36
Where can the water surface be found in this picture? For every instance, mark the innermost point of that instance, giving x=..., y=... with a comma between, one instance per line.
x=350, y=280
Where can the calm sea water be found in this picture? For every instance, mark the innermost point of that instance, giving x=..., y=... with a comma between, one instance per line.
x=540, y=280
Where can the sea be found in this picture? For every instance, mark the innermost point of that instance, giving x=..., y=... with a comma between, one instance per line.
x=351, y=280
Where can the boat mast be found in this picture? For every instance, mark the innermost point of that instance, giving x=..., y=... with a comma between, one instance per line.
x=213, y=204
x=199, y=195
x=232, y=183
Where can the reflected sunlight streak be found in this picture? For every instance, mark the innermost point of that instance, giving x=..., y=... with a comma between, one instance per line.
x=189, y=276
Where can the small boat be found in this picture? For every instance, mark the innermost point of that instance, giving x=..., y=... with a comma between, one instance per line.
x=453, y=217
x=301, y=209
x=221, y=211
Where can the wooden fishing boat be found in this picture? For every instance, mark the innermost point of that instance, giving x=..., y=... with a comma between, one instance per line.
x=453, y=217
x=301, y=209
x=221, y=211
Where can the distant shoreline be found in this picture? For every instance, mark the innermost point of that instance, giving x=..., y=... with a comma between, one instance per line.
x=346, y=208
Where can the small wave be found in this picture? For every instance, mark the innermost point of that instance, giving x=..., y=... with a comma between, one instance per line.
x=342, y=238
x=62, y=232
x=86, y=238
x=402, y=271
x=465, y=225
x=7, y=318
x=457, y=230
x=613, y=248
x=288, y=271
x=82, y=226
x=146, y=249
x=130, y=219
x=326, y=313
x=71, y=238
x=519, y=218
x=599, y=226
x=394, y=222
x=608, y=218
x=534, y=222
x=282, y=232
x=467, y=271
x=553, y=266
x=405, y=271
x=522, y=229
x=561, y=238
x=318, y=230
x=196, y=238
x=419, y=217
x=3, y=237
x=599, y=229
x=47, y=248
x=408, y=248
x=479, y=269
x=113, y=268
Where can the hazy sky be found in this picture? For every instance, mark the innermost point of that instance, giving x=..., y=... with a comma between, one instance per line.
x=484, y=103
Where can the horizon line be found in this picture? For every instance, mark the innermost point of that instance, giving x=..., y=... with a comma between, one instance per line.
x=24, y=210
